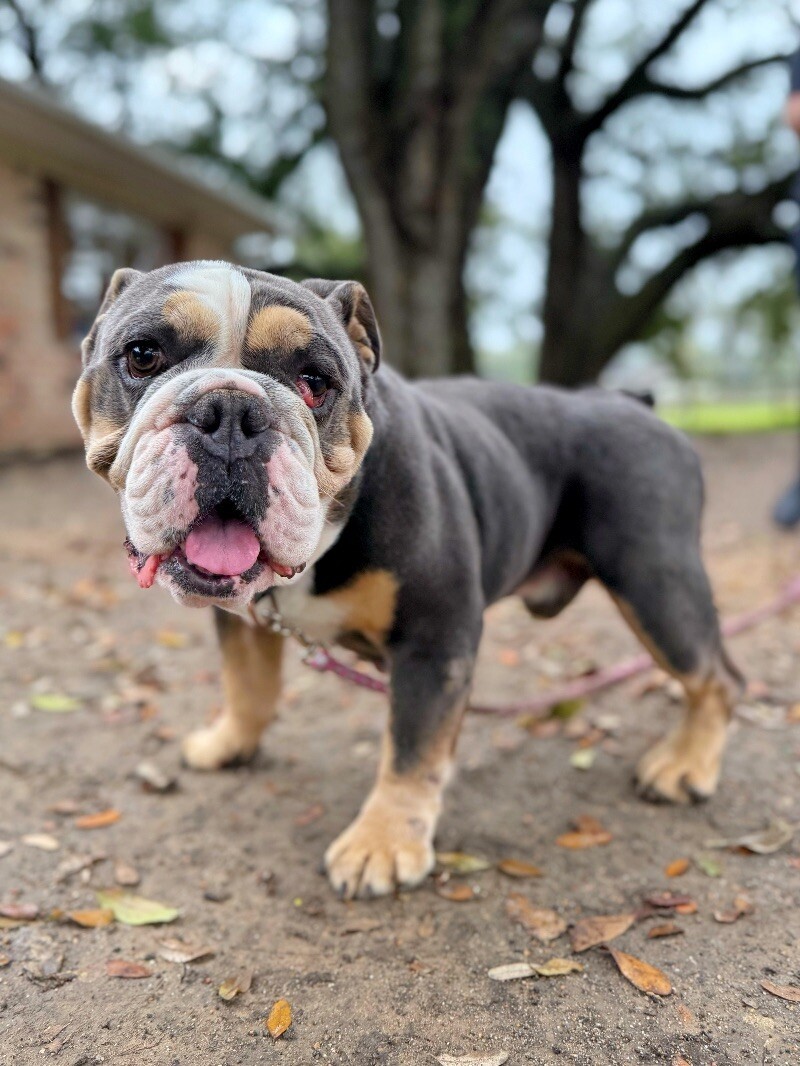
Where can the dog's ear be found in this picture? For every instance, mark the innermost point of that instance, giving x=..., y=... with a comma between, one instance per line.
x=120, y=280
x=354, y=307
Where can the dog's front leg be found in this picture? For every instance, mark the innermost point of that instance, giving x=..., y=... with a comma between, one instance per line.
x=390, y=844
x=251, y=681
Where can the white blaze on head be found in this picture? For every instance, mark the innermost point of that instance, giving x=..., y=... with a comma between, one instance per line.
x=225, y=291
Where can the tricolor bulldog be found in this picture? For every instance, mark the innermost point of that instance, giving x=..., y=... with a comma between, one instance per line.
x=256, y=445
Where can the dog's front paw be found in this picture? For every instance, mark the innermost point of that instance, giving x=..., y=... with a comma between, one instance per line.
x=218, y=745
x=681, y=768
x=385, y=848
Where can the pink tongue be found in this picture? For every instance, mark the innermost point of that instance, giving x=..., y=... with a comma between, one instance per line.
x=222, y=547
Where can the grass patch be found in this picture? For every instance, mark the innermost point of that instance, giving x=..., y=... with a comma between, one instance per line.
x=740, y=417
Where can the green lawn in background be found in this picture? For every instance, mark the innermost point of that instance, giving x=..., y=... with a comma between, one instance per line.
x=735, y=417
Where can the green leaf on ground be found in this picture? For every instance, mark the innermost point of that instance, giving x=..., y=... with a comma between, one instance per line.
x=135, y=910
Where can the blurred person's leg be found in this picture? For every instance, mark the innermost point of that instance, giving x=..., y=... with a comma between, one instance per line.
x=786, y=512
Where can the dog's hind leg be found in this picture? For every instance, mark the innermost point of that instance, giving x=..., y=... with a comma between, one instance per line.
x=251, y=680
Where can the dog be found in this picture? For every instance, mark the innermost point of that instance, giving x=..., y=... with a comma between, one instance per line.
x=261, y=452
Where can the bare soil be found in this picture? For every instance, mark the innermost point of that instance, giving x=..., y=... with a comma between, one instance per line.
x=396, y=981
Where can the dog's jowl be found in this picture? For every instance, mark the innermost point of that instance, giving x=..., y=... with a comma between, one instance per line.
x=258, y=446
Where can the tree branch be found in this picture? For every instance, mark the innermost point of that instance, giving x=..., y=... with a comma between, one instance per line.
x=579, y=8
x=30, y=38
x=699, y=92
x=635, y=84
x=735, y=220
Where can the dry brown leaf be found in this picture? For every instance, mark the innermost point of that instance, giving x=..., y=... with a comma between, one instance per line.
x=125, y=874
x=153, y=778
x=677, y=868
x=4, y=961
x=588, y=833
x=455, y=891
x=689, y=907
x=233, y=986
x=99, y=820
x=679, y=1060
x=474, y=1059
x=512, y=971
x=171, y=638
x=518, y=868
x=558, y=967
x=741, y=906
x=542, y=922
x=762, y=842
x=176, y=950
x=128, y=970
x=64, y=806
x=309, y=815
x=589, y=932
x=42, y=841
x=667, y=900
x=665, y=929
x=279, y=1020
x=92, y=919
x=791, y=993
x=20, y=912
x=641, y=974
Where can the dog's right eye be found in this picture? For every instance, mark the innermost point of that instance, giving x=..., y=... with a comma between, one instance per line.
x=144, y=359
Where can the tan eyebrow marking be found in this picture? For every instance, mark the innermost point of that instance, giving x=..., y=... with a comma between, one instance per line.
x=282, y=329
x=191, y=318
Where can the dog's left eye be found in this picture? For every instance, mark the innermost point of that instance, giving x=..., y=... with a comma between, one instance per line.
x=313, y=388
x=144, y=359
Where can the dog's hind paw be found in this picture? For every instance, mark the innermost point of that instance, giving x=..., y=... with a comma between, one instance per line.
x=679, y=769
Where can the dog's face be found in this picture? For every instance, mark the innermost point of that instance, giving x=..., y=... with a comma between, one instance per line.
x=226, y=407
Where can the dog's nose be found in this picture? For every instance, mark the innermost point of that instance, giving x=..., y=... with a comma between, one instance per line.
x=229, y=424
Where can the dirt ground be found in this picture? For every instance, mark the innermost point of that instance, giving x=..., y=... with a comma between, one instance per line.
x=397, y=981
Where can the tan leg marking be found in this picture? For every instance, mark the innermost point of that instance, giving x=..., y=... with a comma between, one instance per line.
x=390, y=843
x=278, y=329
x=685, y=765
x=367, y=604
x=251, y=681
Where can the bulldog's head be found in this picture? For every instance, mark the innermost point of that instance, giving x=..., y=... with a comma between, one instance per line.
x=226, y=407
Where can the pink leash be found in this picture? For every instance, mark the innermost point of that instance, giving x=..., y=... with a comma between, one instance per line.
x=320, y=659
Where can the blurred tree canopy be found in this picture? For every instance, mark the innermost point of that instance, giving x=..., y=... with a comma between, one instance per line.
x=656, y=158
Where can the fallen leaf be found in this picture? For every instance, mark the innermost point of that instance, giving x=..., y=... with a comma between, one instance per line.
x=679, y=1060
x=462, y=863
x=75, y=864
x=54, y=703
x=686, y=908
x=589, y=932
x=176, y=950
x=588, y=833
x=518, y=868
x=558, y=967
x=641, y=974
x=709, y=865
x=667, y=900
x=509, y=657
x=171, y=638
x=542, y=922
x=153, y=778
x=741, y=906
x=233, y=986
x=475, y=1059
x=566, y=708
x=279, y=1020
x=42, y=841
x=512, y=971
x=4, y=961
x=92, y=919
x=64, y=806
x=99, y=820
x=135, y=910
x=5, y=847
x=583, y=758
x=455, y=891
x=791, y=993
x=128, y=970
x=309, y=815
x=19, y=912
x=665, y=929
x=125, y=874
x=677, y=868
x=762, y=842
